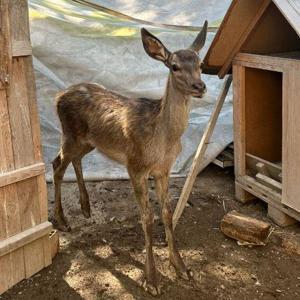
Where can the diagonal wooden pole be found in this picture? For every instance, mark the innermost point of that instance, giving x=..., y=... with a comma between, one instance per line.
x=201, y=151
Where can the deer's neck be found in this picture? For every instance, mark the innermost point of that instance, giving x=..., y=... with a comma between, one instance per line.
x=175, y=111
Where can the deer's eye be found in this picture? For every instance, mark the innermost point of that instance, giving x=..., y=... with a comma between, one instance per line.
x=175, y=68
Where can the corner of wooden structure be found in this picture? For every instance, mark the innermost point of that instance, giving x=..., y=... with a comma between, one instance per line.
x=241, y=195
x=279, y=217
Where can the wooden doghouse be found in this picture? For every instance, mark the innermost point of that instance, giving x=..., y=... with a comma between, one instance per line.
x=24, y=227
x=259, y=43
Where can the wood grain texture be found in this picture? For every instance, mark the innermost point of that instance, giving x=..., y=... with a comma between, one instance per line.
x=21, y=174
x=233, y=28
x=21, y=48
x=291, y=140
x=263, y=114
x=23, y=238
x=273, y=34
x=13, y=263
x=23, y=204
x=245, y=228
x=243, y=37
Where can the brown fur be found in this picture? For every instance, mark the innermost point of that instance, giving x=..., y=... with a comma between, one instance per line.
x=142, y=134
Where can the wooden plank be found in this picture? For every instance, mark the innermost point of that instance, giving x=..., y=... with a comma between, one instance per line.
x=262, y=169
x=227, y=64
x=239, y=130
x=201, y=151
x=21, y=174
x=21, y=48
x=274, y=170
x=23, y=238
x=235, y=23
x=291, y=140
x=279, y=217
x=269, y=182
x=20, y=116
x=13, y=263
x=266, y=194
x=35, y=129
x=19, y=20
x=23, y=139
x=266, y=62
x=5, y=46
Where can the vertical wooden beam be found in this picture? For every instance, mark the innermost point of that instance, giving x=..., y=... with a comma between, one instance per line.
x=291, y=138
x=239, y=118
x=201, y=151
x=12, y=264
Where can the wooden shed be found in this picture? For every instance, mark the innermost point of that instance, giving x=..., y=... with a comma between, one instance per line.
x=24, y=226
x=259, y=43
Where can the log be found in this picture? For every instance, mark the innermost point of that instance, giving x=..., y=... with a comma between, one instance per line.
x=244, y=228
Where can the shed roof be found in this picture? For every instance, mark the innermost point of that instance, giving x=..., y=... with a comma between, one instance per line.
x=254, y=26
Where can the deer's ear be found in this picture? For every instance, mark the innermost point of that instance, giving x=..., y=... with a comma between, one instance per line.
x=200, y=39
x=154, y=47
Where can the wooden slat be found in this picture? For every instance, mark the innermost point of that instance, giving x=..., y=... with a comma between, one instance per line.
x=266, y=62
x=269, y=182
x=23, y=143
x=22, y=174
x=266, y=194
x=23, y=238
x=20, y=116
x=234, y=25
x=35, y=129
x=11, y=265
x=21, y=48
x=273, y=169
x=239, y=129
x=226, y=66
x=201, y=151
x=291, y=140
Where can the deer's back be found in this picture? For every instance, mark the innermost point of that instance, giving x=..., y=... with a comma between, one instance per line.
x=118, y=126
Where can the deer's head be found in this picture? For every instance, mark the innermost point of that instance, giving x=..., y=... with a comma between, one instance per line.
x=185, y=65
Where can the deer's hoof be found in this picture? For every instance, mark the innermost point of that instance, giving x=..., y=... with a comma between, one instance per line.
x=61, y=224
x=151, y=289
x=86, y=213
x=187, y=275
x=85, y=208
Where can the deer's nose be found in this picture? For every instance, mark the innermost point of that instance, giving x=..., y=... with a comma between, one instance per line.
x=199, y=86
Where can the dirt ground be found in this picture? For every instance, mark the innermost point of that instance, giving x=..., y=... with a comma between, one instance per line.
x=102, y=258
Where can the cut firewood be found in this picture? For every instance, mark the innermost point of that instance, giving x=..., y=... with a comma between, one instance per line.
x=245, y=229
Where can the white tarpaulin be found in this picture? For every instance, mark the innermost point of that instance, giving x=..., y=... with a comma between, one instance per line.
x=74, y=43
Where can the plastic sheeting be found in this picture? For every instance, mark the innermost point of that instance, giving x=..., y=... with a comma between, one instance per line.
x=75, y=43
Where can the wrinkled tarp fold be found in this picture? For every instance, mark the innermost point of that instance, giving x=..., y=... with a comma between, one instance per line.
x=75, y=43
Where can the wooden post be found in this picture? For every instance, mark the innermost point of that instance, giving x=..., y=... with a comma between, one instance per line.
x=201, y=151
x=24, y=227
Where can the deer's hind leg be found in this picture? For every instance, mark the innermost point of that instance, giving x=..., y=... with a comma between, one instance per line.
x=60, y=164
x=84, y=197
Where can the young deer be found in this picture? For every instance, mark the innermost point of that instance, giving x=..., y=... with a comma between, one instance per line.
x=142, y=134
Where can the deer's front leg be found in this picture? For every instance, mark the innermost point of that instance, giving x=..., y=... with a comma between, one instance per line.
x=140, y=185
x=161, y=185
